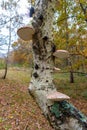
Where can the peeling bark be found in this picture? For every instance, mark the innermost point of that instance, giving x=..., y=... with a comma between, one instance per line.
x=42, y=81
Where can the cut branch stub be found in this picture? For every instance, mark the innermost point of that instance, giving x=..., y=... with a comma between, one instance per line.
x=26, y=33
x=57, y=96
x=61, y=54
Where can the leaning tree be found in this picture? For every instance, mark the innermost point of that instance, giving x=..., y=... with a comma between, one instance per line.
x=61, y=114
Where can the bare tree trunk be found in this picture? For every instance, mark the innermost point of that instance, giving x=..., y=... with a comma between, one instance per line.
x=84, y=9
x=6, y=69
x=7, y=58
x=61, y=114
x=67, y=45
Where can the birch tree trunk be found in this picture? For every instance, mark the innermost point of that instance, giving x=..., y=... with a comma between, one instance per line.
x=61, y=114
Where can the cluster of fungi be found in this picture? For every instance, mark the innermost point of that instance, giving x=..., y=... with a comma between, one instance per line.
x=26, y=33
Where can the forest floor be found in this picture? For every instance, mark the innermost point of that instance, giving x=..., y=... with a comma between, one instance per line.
x=19, y=111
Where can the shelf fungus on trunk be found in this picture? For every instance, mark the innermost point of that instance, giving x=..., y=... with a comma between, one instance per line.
x=26, y=33
x=55, y=69
x=57, y=96
x=61, y=54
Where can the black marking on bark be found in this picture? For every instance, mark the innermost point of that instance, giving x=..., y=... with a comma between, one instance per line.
x=47, y=68
x=53, y=50
x=35, y=75
x=47, y=81
x=37, y=48
x=36, y=67
x=40, y=17
x=34, y=47
x=53, y=9
x=45, y=38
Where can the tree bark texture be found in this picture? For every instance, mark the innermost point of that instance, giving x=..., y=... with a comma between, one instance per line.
x=61, y=114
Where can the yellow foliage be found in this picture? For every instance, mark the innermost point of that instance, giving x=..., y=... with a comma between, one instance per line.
x=85, y=52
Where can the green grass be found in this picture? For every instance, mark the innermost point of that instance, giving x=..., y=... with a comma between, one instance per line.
x=84, y=94
x=2, y=65
x=76, y=89
x=19, y=75
x=61, y=80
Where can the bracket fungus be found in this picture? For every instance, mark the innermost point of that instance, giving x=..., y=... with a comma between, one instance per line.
x=55, y=69
x=57, y=96
x=26, y=33
x=61, y=54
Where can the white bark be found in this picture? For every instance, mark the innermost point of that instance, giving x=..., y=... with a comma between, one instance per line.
x=43, y=84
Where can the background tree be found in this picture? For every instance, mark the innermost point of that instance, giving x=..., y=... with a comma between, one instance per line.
x=10, y=20
x=22, y=53
x=74, y=33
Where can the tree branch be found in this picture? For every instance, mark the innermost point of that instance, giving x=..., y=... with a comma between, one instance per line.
x=84, y=10
x=66, y=18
